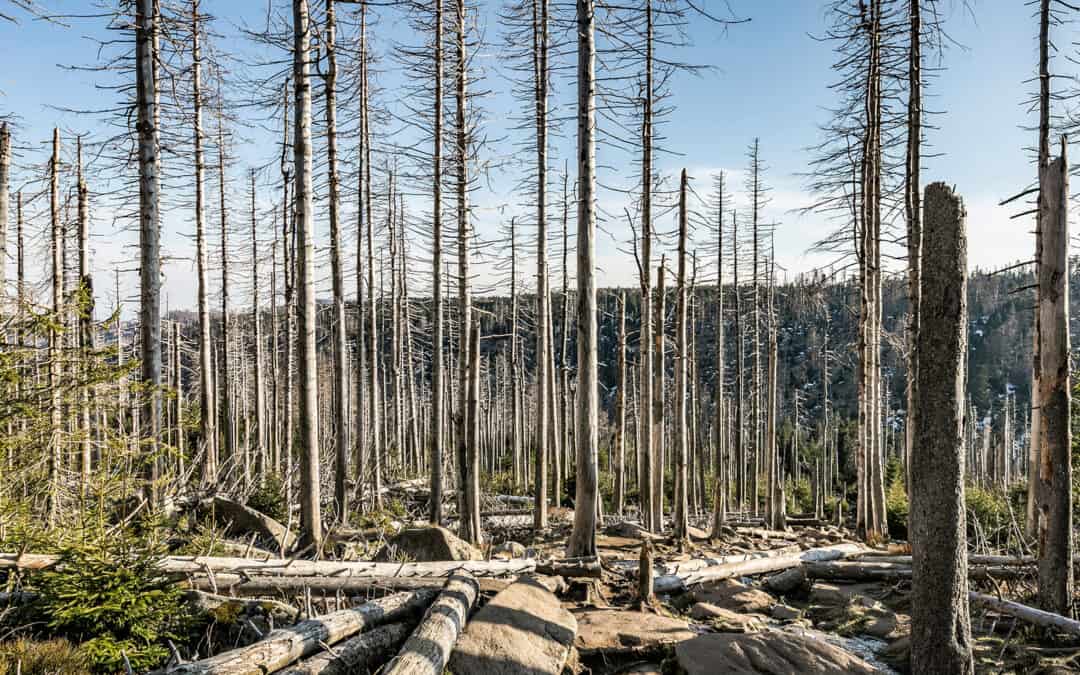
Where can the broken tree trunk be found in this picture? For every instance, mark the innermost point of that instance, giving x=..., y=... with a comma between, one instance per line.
x=242, y=584
x=286, y=645
x=237, y=516
x=427, y=650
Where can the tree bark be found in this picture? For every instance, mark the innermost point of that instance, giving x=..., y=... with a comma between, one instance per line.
x=1055, y=392
x=427, y=650
x=308, y=441
x=941, y=628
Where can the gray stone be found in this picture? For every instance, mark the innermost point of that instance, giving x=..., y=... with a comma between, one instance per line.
x=787, y=581
x=617, y=630
x=736, y=596
x=726, y=620
x=772, y=652
x=522, y=631
x=427, y=544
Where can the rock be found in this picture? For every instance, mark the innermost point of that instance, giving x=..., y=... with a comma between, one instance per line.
x=427, y=544
x=508, y=550
x=839, y=594
x=237, y=518
x=725, y=620
x=736, y=596
x=631, y=530
x=617, y=630
x=644, y=669
x=523, y=629
x=697, y=534
x=774, y=652
x=787, y=581
x=785, y=613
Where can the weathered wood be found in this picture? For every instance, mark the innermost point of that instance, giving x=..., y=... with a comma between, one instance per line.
x=243, y=584
x=673, y=582
x=427, y=650
x=361, y=654
x=207, y=602
x=887, y=571
x=284, y=646
x=1033, y=616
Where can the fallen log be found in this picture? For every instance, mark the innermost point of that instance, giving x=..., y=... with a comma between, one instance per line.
x=212, y=603
x=1029, y=614
x=859, y=570
x=241, y=584
x=286, y=645
x=298, y=567
x=669, y=583
x=360, y=654
x=993, y=560
x=570, y=567
x=427, y=650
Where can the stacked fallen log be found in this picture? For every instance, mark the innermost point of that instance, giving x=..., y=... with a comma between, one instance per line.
x=285, y=646
x=872, y=570
x=427, y=650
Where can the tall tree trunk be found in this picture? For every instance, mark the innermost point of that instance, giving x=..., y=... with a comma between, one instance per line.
x=57, y=244
x=228, y=423
x=149, y=236
x=648, y=468
x=340, y=354
x=310, y=515
x=941, y=630
x=720, y=492
x=207, y=399
x=438, y=408
x=256, y=320
x=461, y=159
x=1055, y=392
x=682, y=523
x=583, y=537
x=543, y=317
x=620, y=412
x=5, y=179
x=913, y=210
x=85, y=307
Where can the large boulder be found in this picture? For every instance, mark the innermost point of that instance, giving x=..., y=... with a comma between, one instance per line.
x=736, y=596
x=617, y=630
x=523, y=629
x=427, y=544
x=239, y=519
x=772, y=652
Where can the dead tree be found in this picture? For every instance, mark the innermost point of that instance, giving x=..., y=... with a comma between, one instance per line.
x=1055, y=392
x=941, y=630
x=149, y=236
x=583, y=537
x=256, y=319
x=308, y=441
x=682, y=355
x=57, y=269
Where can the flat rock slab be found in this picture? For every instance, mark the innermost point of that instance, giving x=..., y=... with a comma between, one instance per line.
x=427, y=544
x=772, y=652
x=736, y=596
x=522, y=630
x=618, y=630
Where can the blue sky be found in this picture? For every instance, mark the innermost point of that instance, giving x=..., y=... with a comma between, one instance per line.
x=770, y=80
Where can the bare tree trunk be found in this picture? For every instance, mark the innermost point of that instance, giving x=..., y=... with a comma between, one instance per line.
x=461, y=159
x=310, y=515
x=228, y=424
x=648, y=468
x=437, y=357
x=1055, y=392
x=658, y=440
x=470, y=468
x=207, y=399
x=341, y=401
x=583, y=537
x=55, y=448
x=149, y=235
x=740, y=375
x=85, y=307
x=720, y=492
x=913, y=211
x=5, y=205
x=543, y=317
x=373, y=393
x=620, y=412
x=941, y=630
x=682, y=506
x=256, y=319
x=1034, y=449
